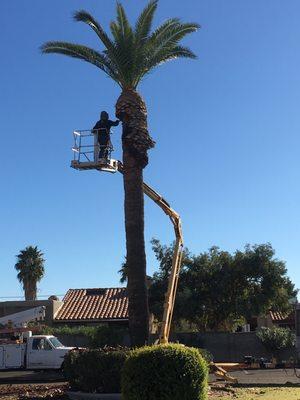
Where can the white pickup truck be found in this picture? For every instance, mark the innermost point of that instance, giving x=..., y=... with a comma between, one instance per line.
x=36, y=352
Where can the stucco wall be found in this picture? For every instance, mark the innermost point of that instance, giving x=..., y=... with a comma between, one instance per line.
x=229, y=347
x=11, y=307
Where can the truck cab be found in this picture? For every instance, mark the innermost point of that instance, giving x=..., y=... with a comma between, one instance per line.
x=35, y=352
x=45, y=351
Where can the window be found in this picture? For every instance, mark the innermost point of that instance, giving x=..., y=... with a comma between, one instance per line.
x=55, y=342
x=41, y=344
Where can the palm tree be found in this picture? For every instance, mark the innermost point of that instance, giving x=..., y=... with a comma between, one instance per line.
x=129, y=54
x=30, y=267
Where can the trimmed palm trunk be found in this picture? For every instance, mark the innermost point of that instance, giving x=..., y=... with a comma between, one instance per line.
x=135, y=250
x=131, y=109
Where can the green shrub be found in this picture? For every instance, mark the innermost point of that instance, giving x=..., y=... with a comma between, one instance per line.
x=208, y=357
x=276, y=339
x=97, y=370
x=106, y=336
x=66, y=330
x=165, y=372
x=98, y=336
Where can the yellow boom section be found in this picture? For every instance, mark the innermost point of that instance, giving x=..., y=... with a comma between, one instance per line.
x=176, y=262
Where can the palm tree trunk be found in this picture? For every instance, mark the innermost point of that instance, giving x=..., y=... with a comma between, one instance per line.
x=30, y=290
x=26, y=291
x=33, y=288
x=131, y=109
x=135, y=249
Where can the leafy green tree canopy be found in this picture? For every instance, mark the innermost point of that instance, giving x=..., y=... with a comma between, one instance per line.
x=276, y=339
x=217, y=288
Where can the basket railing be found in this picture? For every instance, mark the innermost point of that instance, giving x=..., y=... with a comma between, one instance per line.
x=86, y=147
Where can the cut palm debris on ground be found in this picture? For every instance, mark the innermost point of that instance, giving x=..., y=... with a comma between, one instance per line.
x=255, y=393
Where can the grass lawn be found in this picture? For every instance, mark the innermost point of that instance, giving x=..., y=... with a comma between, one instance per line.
x=263, y=393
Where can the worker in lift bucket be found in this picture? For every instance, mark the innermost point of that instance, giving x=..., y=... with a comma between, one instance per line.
x=102, y=129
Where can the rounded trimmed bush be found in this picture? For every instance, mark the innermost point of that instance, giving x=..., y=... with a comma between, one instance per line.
x=97, y=370
x=165, y=372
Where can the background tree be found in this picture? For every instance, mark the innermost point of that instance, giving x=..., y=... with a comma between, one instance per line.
x=276, y=339
x=129, y=54
x=217, y=288
x=30, y=267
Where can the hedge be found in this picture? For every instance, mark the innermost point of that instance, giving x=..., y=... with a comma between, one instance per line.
x=96, y=370
x=165, y=372
x=98, y=336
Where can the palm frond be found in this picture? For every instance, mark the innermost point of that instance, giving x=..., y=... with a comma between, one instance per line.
x=115, y=30
x=170, y=54
x=172, y=35
x=84, y=16
x=129, y=53
x=124, y=43
x=87, y=18
x=83, y=53
x=154, y=60
x=123, y=23
x=163, y=29
x=144, y=23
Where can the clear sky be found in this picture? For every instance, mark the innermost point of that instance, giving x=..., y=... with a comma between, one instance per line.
x=226, y=126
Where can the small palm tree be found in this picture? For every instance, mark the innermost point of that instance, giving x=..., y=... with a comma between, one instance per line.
x=30, y=267
x=129, y=54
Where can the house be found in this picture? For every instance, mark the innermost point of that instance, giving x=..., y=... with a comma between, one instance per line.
x=93, y=306
x=78, y=307
x=278, y=319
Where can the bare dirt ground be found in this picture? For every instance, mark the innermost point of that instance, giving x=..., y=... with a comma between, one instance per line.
x=253, y=385
x=32, y=391
x=255, y=393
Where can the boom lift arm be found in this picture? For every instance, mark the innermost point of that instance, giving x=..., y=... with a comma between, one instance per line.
x=86, y=158
x=111, y=165
x=176, y=261
x=21, y=319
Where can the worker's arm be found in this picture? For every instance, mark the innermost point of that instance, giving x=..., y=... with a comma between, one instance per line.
x=114, y=123
x=96, y=125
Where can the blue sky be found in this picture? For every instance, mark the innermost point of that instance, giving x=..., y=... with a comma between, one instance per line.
x=226, y=126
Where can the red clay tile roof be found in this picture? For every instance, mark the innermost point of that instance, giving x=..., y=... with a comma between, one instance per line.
x=94, y=304
x=281, y=317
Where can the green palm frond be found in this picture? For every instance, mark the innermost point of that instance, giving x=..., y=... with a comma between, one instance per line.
x=131, y=53
x=163, y=28
x=173, y=33
x=170, y=54
x=84, y=16
x=83, y=53
x=124, y=25
x=144, y=23
x=115, y=31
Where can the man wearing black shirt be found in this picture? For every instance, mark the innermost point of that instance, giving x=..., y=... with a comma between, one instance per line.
x=102, y=128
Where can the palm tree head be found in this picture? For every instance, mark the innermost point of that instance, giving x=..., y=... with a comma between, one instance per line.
x=129, y=52
x=30, y=265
